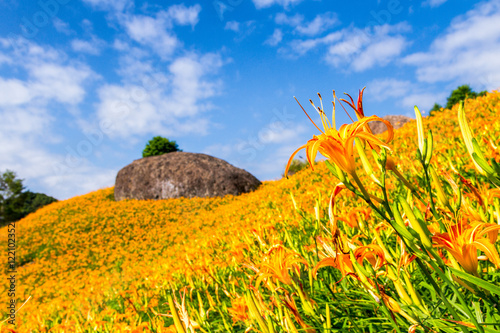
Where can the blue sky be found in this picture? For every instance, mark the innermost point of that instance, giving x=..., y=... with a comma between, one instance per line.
x=84, y=84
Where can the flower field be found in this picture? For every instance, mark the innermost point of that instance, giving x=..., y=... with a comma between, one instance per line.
x=395, y=233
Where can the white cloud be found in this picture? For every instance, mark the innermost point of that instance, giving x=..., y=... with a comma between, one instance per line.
x=424, y=101
x=233, y=26
x=156, y=32
x=134, y=68
x=301, y=47
x=406, y=93
x=63, y=84
x=275, y=163
x=364, y=49
x=378, y=53
x=467, y=52
x=27, y=119
x=382, y=89
x=48, y=78
x=267, y=152
x=356, y=49
x=294, y=21
x=259, y=4
x=152, y=32
x=62, y=26
x=433, y=3
x=4, y=59
x=21, y=121
x=129, y=110
x=242, y=29
x=82, y=180
x=14, y=92
x=172, y=108
x=120, y=45
x=218, y=150
x=319, y=24
x=91, y=47
x=184, y=15
x=276, y=133
x=116, y=5
x=275, y=38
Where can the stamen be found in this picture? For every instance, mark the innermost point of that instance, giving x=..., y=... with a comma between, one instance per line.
x=307, y=114
x=346, y=112
x=321, y=101
x=334, y=125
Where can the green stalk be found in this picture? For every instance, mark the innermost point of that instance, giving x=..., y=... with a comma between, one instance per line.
x=443, y=297
x=361, y=186
x=255, y=313
x=177, y=321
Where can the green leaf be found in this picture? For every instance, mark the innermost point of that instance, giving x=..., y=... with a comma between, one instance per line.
x=477, y=281
x=331, y=168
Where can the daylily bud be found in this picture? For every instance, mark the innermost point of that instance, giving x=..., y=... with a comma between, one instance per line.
x=420, y=131
x=443, y=199
x=467, y=135
x=416, y=224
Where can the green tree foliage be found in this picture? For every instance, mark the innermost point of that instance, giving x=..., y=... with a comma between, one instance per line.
x=34, y=201
x=435, y=108
x=159, y=146
x=15, y=203
x=11, y=202
x=296, y=166
x=461, y=93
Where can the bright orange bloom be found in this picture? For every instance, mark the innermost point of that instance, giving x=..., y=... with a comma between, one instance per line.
x=462, y=241
x=338, y=146
x=372, y=253
x=239, y=309
x=341, y=259
x=277, y=264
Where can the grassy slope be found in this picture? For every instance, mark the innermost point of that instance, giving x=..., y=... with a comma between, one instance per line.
x=89, y=260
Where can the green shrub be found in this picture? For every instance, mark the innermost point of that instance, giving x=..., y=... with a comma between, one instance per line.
x=296, y=166
x=15, y=203
x=159, y=146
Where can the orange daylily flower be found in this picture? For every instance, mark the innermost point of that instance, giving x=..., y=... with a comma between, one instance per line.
x=239, y=309
x=342, y=260
x=372, y=253
x=277, y=264
x=462, y=241
x=390, y=163
x=289, y=302
x=338, y=146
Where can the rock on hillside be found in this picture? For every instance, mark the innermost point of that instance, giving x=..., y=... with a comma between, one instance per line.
x=378, y=127
x=181, y=174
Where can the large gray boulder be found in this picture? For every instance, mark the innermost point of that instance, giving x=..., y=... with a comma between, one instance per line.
x=378, y=127
x=181, y=174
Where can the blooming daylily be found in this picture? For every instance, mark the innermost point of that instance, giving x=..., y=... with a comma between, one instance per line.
x=340, y=258
x=462, y=241
x=239, y=309
x=338, y=146
x=277, y=264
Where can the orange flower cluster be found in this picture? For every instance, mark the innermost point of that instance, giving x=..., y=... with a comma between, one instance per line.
x=92, y=264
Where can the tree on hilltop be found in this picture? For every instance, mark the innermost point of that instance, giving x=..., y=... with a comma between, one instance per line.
x=435, y=108
x=15, y=202
x=462, y=93
x=159, y=146
x=11, y=202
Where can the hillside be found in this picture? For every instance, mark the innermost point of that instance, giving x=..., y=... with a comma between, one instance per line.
x=92, y=264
